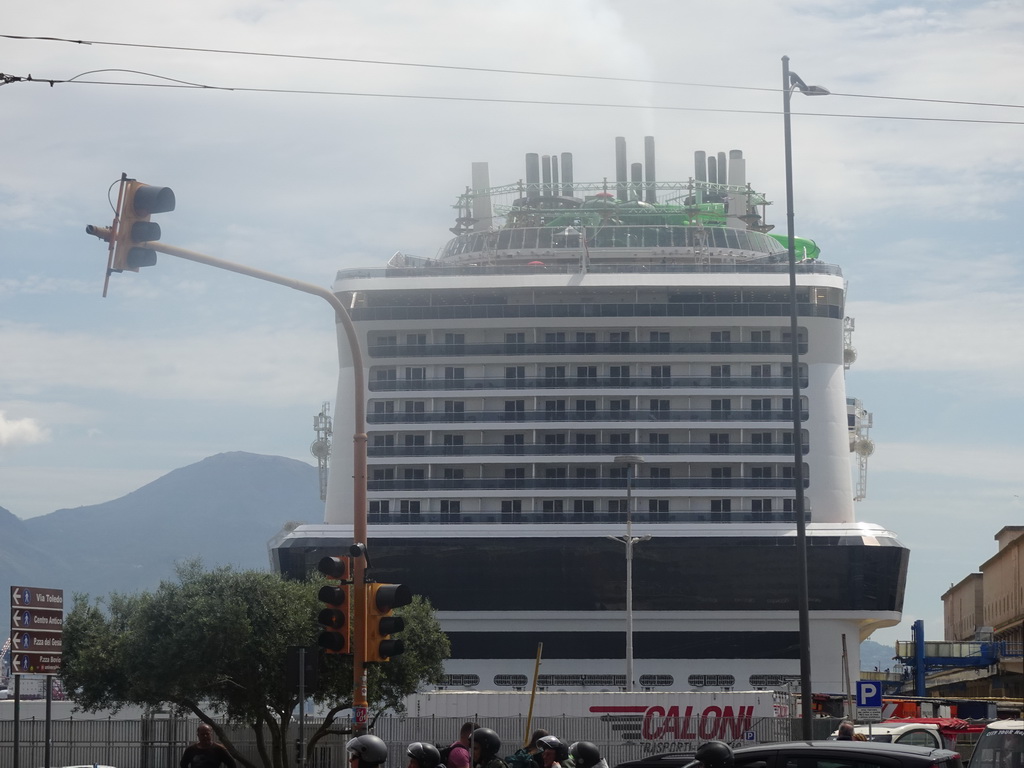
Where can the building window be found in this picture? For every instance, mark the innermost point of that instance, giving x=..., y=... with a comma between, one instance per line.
x=511, y=511
x=657, y=510
x=551, y=509
x=619, y=372
x=515, y=375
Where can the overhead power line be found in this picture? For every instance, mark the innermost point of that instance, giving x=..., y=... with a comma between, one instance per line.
x=174, y=83
x=489, y=70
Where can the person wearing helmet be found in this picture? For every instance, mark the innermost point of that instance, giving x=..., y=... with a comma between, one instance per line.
x=528, y=756
x=715, y=754
x=423, y=755
x=552, y=751
x=485, y=744
x=366, y=751
x=585, y=754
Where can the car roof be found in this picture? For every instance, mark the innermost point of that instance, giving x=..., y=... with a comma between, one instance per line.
x=877, y=747
x=1005, y=725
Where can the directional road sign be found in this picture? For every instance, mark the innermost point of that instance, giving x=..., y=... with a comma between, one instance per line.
x=35, y=663
x=37, y=624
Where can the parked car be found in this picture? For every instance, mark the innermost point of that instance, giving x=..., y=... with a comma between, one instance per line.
x=823, y=754
x=844, y=754
x=1000, y=746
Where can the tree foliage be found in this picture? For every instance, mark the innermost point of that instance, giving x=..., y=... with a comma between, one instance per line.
x=215, y=643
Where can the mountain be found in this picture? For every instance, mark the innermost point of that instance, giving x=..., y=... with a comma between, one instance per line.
x=223, y=509
x=876, y=656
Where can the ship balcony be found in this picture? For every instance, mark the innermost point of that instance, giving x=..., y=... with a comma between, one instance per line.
x=582, y=450
x=438, y=383
x=464, y=484
x=489, y=516
x=574, y=416
x=588, y=348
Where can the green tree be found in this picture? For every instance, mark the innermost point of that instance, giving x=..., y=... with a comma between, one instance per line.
x=215, y=643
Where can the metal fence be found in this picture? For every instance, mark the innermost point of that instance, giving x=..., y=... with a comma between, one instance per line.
x=157, y=742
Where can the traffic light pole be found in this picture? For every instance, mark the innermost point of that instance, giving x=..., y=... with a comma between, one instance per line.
x=359, y=692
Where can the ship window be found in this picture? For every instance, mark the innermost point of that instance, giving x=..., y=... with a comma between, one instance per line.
x=384, y=406
x=659, y=406
x=511, y=510
x=452, y=373
x=455, y=338
x=387, y=341
x=554, y=338
x=618, y=405
x=619, y=372
x=658, y=438
x=386, y=473
x=761, y=404
x=721, y=337
x=618, y=508
x=450, y=508
x=658, y=510
x=554, y=373
x=454, y=406
x=721, y=371
x=656, y=681
x=515, y=338
x=586, y=372
x=416, y=338
x=760, y=371
x=760, y=438
x=761, y=337
x=618, y=337
x=453, y=441
x=659, y=473
x=557, y=439
x=410, y=473
x=413, y=440
x=761, y=473
x=409, y=507
x=586, y=405
x=385, y=374
x=659, y=337
x=454, y=473
x=661, y=371
x=620, y=438
x=380, y=507
x=383, y=441
x=414, y=406
x=585, y=338
x=415, y=374
x=583, y=438
x=510, y=681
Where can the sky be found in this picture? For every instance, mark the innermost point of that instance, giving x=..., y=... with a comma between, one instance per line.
x=353, y=140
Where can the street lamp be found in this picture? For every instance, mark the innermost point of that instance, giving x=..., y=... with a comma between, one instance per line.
x=630, y=462
x=792, y=82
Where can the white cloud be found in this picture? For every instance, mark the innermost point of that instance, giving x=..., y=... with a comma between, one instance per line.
x=14, y=432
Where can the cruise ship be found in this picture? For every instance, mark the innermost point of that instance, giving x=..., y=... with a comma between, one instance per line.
x=585, y=356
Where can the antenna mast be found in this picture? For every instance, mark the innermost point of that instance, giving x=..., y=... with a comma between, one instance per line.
x=321, y=447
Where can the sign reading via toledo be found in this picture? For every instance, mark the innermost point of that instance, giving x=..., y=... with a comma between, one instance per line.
x=37, y=624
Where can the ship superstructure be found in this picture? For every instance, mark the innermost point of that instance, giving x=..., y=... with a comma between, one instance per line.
x=584, y=351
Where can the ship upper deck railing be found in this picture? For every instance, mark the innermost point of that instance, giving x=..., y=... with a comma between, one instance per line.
x=434, y=268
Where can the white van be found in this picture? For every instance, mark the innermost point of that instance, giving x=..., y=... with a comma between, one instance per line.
x=1000, y=746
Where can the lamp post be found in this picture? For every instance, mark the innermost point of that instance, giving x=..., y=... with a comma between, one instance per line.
x=630, y=462
x=359, y=684
x=792, y=82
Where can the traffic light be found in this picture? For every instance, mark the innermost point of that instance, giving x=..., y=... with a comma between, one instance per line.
x=336, y=617
x=132, y=226
x=381, y=600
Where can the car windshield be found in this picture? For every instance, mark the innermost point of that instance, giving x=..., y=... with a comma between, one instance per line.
x=999, y=748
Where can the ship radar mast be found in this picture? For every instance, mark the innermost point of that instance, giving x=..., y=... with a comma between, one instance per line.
x=321, y=447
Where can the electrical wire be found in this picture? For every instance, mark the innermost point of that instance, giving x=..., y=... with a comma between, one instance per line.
x=481, y=99
x=488, y=70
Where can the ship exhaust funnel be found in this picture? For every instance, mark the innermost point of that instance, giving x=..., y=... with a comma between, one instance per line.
x=482, y=213
x=545, y=170
x=620, y=169
x=737, y=205
x=567, y=188
x=651, y=192
x=532, y=176
x=712, y=170
x=636, y=181
x=700, y=166
x=556, y=188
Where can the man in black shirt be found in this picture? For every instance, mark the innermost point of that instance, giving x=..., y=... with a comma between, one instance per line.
x=206, y=753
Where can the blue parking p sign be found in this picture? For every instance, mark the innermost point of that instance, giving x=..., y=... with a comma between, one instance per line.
x=869, y=693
